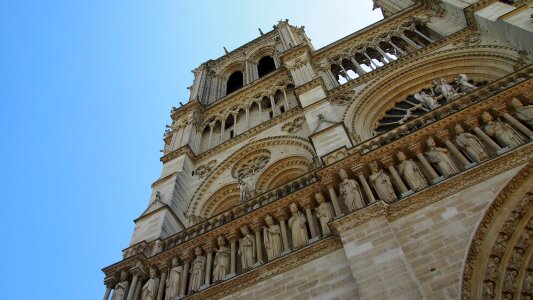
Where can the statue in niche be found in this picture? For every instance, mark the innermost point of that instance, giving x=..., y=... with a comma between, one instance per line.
x=173, y=280
x=149, y=289
x=499, y=246
x=197, y=271
x=272, y=238
x=411, y=172
x=350, y=191
x=502, y=132
x=528, y=281
x=516, y=258
x=446, y=90
x=470, y=144
x=488, y=290
x=244, y=190
x=247, y=248
x=381, y=183
x=121, y=288
x=428, y=100
x=523, y=113
x=510, y=279
x=441, y=159
x=221, y=260
x=324, y=213
x=297, y=221
x=462, y=82
x=492, y=271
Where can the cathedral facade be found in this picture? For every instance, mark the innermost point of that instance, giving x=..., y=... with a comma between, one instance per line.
x=394, y=163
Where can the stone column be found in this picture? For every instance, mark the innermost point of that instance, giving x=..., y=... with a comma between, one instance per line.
x=364, y=183
x=422, y=35
x=164, y=273
x=286, y=100
x=385, y=55
x=400, y=51
x=410, y=42
x=138, y=274
x=358, y=67
x=281, y=215
x=273, y=105
x=247, y=117
x=398, y=182
x=109, y=283
x=335, y=201
x=372, y=63
x=472, y=123
x=348, y=77
x=444, y=136
x=208, y=247
x=186, y=258
x=516, y=124
x=233, y=237
x=235, y=124
x=210, y=136
x=434, y=177
x=222, y=128
x=307, y=204
x=256, y=227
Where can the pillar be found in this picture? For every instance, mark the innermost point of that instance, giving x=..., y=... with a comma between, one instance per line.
x=400, y=51
x=247, y=117
x=210, y=136
x=273, y=105
x=233, y=237
x=133, y=286
x=423, y=35
x=257, y=226
x=109, y=283
x=410, y=42
x=388, y=162
x=434, y=177
x=345, y=72
x=286, y=100
x=164, y=273
x=372, y=63
x=385, y=55
x=281, y=215
x=208, y=247
x=186, y=258
x=358, y=67
x=307, y=204
x=516, y=124
x=335, y=201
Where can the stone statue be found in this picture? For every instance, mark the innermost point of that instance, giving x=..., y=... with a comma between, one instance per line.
x=488, y=290
x=523, y=113
x=324, y=213
x=121, y=288
x=516, y=258
x=462, y=82
x=441, y=158
x=221, y=260
x=528, y=282
x=244, y=190
x=470, y=144
x=197, y=271
x=492, y=271
x=173, y=280
x=247, y=248
x=411, y=173
x=272, y=238
x=381, y=183
x=149, y=289
x=297, y=222
x=510, y=279
x=427, y=99
x=446, y=90
x=350, y=191
x=502, y=132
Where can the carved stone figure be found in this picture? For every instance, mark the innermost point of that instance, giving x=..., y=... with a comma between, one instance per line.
x=247, y=248
x=516, y=258
x=499, y=246
x=464, y=85
x=441, y=158
x=221, y=260
x=528, y=282
x=324, y=213
x=502, y=132
x=470, y=144
x=446, y=90
x=244, y=190
x=510, y=280
x=272, y=238
x=350, y=191
x=492, y=268
x=411, y=172
x=488, y=290
x=523, y=113
x=297, y=222
x=149, y=289
x=381, y=183
x=121, y=288
x=428, y=100
x=173, y=280
x=197, y=271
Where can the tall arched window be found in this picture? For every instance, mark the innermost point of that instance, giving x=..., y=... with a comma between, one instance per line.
x=265, y=65
x=235, y=82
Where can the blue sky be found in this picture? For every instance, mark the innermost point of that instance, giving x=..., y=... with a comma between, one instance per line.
x=85, y=92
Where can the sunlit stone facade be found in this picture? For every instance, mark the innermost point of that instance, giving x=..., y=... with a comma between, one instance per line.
x=394, y=163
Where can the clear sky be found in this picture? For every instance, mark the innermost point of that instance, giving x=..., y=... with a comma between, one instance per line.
x=85, y=92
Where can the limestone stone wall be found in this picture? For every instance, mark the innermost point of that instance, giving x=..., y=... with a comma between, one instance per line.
x=328, y=277
x=421, y=254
